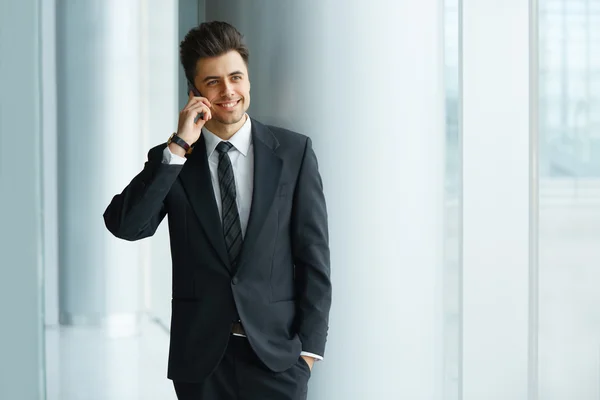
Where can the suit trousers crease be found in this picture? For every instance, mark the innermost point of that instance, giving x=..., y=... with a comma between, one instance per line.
x=241, y=375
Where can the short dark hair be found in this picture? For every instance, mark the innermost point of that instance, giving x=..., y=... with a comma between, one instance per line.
x=210, y=39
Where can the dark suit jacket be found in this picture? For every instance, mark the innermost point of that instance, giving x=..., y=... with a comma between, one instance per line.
x=281, y=287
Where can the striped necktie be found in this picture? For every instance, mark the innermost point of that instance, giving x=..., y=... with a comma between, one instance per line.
x=232, y=229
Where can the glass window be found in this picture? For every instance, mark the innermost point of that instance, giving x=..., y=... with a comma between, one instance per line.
x=569, y=231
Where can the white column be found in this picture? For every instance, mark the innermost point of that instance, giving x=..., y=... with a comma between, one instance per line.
x=364, y=80
x=21, y=249
x=99, y=150
x=161, y=64
x=496, y=199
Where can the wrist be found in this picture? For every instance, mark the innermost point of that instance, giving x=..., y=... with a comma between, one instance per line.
x=177, y=150
x=178, y=146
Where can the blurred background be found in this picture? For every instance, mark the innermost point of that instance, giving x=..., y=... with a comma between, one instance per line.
x=459, y=144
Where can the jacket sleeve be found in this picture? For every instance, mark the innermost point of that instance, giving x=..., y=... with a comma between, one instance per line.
x=310, y=250
x=138, y=210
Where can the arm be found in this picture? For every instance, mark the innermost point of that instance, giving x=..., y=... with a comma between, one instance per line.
x=139, y=209
x=137, y=212
x=310, y=250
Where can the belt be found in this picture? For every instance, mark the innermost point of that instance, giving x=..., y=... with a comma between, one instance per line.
x=237, y=329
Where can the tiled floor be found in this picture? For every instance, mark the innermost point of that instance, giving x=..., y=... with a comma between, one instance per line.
x=85, y=364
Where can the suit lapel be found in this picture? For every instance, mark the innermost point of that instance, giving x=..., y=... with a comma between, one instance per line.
x=267, y=171
x=196, y=181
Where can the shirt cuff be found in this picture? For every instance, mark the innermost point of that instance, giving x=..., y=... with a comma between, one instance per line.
x=172, y=159
x=316, y=357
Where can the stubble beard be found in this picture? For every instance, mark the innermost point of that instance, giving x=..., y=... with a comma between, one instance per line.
x=232, y=119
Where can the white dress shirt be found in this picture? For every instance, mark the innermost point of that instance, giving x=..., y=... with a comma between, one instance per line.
x=242, y=161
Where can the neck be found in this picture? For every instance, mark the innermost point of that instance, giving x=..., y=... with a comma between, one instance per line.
x=225, y=131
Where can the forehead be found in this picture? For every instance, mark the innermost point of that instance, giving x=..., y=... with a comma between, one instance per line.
x=221, y=65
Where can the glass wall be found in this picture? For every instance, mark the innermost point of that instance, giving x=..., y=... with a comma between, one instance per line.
x=569, y=324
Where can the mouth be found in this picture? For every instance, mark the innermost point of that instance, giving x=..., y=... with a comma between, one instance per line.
x=230, y=105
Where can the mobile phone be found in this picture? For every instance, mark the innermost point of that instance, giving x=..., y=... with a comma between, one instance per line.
x=196, y=93
x=193, y=89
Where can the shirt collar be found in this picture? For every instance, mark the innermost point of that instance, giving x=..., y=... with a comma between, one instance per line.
x=240, y=140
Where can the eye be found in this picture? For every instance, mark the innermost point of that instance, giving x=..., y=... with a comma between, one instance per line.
x=236, y=77
x=210, y=83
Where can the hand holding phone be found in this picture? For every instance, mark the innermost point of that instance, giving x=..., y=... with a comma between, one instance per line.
x=193, y=116
x=196, y=93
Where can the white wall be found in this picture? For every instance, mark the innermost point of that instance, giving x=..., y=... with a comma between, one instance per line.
x=364, y=80
x=21, y=250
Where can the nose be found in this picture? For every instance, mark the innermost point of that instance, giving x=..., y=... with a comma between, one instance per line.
x=227, y=89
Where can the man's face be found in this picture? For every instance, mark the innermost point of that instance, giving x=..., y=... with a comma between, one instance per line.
x=224, y=81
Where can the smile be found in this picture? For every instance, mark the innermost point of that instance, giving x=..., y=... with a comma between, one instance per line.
x=229, y=105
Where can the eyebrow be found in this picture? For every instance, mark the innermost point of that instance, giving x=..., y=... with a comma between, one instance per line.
x=210, y=78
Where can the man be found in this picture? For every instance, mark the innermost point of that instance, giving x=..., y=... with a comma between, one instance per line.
x=248, y=232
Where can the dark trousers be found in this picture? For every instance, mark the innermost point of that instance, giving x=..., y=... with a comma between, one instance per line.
x=242, y=376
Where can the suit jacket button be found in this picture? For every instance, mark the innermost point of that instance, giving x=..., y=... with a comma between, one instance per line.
x=235, y=280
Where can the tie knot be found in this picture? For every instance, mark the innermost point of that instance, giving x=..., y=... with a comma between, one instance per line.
x=224, y=147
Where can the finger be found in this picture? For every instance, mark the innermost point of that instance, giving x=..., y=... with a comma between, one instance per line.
x=198, y=109
x=197, y=106
x=196, y=100
x=205, y=101
x=204, y=116
x=192, y=103
x=207, y=114
x=202, y=119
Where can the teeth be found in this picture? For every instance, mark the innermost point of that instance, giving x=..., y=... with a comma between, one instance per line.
x=229, y=104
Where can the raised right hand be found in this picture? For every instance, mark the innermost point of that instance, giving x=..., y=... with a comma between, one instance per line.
x=186, y=128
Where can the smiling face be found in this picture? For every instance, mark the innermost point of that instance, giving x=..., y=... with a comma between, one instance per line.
x=224, y=81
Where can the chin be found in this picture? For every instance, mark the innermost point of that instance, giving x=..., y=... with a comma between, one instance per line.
x=231, y=119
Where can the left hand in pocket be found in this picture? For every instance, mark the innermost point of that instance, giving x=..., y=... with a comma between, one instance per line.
x=309, y=360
